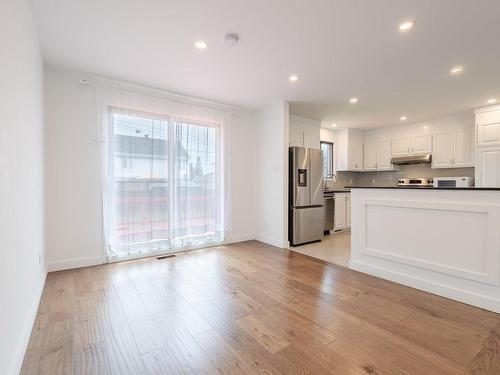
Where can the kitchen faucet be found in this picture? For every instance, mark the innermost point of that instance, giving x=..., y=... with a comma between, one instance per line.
x=332, y=176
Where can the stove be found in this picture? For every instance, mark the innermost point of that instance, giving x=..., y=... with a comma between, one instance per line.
x=419, y=181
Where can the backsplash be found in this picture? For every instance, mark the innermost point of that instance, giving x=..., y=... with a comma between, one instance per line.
x=390, y=178
x=343, y=179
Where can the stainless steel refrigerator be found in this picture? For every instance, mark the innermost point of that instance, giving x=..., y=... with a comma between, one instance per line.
x=306, y=212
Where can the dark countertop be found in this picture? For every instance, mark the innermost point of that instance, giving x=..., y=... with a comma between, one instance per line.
x=424, y=188
x=347, y=190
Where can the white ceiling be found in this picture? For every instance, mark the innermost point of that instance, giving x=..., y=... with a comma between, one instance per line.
x=338, y=48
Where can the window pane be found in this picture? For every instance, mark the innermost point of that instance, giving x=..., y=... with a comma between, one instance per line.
x=140, y=192
x=327, y=149
x=165, y=191
x=195, y=182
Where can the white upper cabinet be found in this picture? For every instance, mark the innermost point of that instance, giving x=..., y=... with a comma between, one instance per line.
x=304, y=132
x=401, y=146
x=378, y=155
x=464, y=150
x=421, y=144
x=370, y=157
x=384, y=155
x=488, y=128
x=304, y=139
x=444, y=145
x=488, y=147
x=311, y=140
x=453, y=149
x=349, y=147
x=355, y=151
x=296, y=139
x=414, y=144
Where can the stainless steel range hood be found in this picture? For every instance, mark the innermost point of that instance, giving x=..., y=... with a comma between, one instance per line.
x=412, y=159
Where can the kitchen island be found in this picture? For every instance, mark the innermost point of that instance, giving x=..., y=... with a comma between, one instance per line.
x=442, y=240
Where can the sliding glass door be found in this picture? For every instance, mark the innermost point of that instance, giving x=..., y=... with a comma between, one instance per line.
x=164, y=190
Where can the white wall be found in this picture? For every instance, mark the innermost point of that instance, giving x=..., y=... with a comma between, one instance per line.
x=22, y=270
x=243, y=162
x=73, y=192
x=327, y=135
x=271, y=177
x=74, y=218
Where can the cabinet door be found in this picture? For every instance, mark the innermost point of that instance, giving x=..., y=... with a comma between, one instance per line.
x=340, y=211
x=444, y=150
x=421, y=144
x=355, y=154
x=296, y=139
x=311, y=140
x=348, y=211
x=401, y=146
x=464, y=149
x=488, y=134
x=488, y=171
x=358, y=155
x=370, y=156
x=384, y=154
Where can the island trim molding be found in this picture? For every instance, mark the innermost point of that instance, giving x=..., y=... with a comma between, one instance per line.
x=491, y=274
x=457, y=294
x=453, y=250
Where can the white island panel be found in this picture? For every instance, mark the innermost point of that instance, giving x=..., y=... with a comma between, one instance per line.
x=445, y=242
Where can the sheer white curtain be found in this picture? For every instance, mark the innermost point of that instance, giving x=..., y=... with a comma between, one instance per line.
x=165, y=185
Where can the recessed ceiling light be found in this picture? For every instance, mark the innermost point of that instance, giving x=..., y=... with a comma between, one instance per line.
x=403, y=118
x=491, y=101
x=200, y=44
x=353, y=100
x=407, y=25
x=457, y=69
x=426, y=127
x=293, y=78
x=333, y=125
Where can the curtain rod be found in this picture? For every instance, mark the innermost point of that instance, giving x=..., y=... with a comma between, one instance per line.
x=140, y=89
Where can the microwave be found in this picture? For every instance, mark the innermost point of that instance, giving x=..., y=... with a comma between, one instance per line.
x=453, y=182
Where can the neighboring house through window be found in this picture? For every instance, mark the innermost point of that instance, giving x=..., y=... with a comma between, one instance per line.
x=328, y=162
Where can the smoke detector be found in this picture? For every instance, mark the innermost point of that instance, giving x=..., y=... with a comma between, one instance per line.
x=232, y=39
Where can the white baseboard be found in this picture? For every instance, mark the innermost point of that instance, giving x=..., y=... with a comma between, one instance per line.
x=236, y=239
x=461, y=295
x=75, y=263
x=272, y=241
x=24, y=338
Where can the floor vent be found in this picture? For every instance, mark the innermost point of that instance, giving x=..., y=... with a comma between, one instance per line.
x=165, y=256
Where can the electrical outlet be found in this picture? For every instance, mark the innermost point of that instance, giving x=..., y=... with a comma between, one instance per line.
x=373, y=180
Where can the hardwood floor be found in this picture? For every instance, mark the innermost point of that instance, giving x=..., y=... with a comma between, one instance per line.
x=250, y=308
